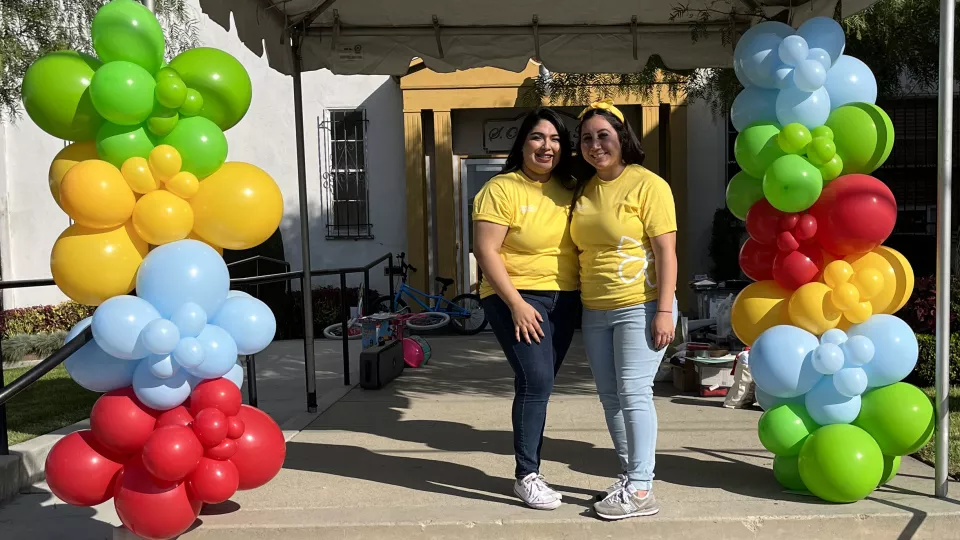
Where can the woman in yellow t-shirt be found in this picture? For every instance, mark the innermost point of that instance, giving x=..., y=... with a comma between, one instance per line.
x=529, y=291
x=624, y=225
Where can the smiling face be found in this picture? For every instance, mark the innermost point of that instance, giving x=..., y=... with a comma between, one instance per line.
x=600, y=144
x=541, y=150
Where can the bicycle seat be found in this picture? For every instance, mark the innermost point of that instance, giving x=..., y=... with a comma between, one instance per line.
x=446, y=282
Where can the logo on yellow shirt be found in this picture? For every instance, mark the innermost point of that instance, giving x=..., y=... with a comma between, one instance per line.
x=644, y=260
x=524, y=209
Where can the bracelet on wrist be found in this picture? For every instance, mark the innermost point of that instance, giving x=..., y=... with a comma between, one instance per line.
x=664, y=311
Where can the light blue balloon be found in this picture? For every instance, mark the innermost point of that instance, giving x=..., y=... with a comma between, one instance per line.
x=117, y=324
x=895, y=347
x=767, y=402
x=834, y=335
x=858, y=350
x=781, y=361
x=808, y=108
x=753, y=105
x=827, y=406
x=767, y=27
x=160, y=394
x=793, y=50
x=850, y=81
x=160, y=337
x=249, y=321
x=760, y=60
x=189, y=352
x=219, y=353
x=162, y=366
x=95, y=370
x=180, y=272
x=235, y=375
x=809, y=76
x=231, y=294
x=828, y=359
x=784, y=79
x=824, y=33
x=851, y=381
x=821, y=56
x=190, y=319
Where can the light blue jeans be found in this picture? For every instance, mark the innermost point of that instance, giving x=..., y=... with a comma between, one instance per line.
x=624, y=362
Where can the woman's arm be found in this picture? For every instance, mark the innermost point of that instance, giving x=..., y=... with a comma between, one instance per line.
x=665, y=257
x=487, y=240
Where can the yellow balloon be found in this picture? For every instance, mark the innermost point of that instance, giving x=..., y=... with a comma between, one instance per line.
x=65, y=160
x=193, y=236
x=869, y=282
x=758, y=307
x=810, y=308
x=92, y=265
x=898, y=279
x=96, y=195
x=837, y=273
x=165, y=162
x=845, y=296
x=136, y=171
x=859, y=312
x=161, y=217
x=237, y=207
x=183, y=185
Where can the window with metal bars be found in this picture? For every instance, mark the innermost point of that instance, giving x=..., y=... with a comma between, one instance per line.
x=346, y=194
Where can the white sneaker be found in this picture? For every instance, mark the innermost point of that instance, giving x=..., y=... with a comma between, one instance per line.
x=614, y=487
x=535, y=492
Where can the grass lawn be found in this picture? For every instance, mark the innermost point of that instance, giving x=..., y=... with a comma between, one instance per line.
x=927, y=453
x=49, y=404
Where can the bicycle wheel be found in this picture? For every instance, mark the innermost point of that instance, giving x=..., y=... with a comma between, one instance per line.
x=335, y=331
x=468, y=319
x=382, y=305
x=428, y=320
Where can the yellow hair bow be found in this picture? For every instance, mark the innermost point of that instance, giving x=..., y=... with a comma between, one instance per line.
x=606, y=105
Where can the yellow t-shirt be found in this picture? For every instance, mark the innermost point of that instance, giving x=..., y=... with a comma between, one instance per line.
x=537, y=251
x=612, y=226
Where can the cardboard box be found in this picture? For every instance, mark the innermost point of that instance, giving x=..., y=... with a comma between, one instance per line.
x=376, y=330
x=685, y=377
x=714, y=380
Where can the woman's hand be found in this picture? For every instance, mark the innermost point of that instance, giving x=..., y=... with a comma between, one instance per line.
x=663, y=330
x=526, y=322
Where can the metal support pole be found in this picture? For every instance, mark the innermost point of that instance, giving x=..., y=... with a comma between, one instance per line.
x=390, y=273
x=944, y=202
x=344, y=337
x=151, y=5
x=252, y=379
x=4, y=442
x=364, y=305
x=309, y=361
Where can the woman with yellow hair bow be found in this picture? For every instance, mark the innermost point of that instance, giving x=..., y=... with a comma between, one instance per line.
x=624, y=225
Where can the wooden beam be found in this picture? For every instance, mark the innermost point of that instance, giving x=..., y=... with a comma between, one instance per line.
x=650, y=137
x=446, y=205
x=677, y=176
x=416, y=200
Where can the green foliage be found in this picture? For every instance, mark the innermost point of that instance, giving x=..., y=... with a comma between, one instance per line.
x=925, y=374
x=31, y=28
x=42, y=319
x=19, y=346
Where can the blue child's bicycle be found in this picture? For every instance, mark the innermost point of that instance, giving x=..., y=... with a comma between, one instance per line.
x=464, y=313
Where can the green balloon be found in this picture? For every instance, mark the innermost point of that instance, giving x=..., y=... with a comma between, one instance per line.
x=820, y=151
x=123, y=93
x=831, y=170
x=193, y=103
x=792, y=184
x=891, y=464
x=201, y=144
x=899, y=416
x=841, y=463
x=793, y=138
x=784, y=428
x=171, y=92
x=162, y=121
x=222, y=81
x=822, y=131
x=116, y=144
x=742, y=191
x=56, y=95
x=786, y=469
x=863, y=134
x=756, y=148
x=168, y=72
x=126, y=30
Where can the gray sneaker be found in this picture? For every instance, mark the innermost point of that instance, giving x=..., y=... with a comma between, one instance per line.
x=614, y=487
x=623, y=504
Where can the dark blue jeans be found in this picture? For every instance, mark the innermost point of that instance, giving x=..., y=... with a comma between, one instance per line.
x=535, y=365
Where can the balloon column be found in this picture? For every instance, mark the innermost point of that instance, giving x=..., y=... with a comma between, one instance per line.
x=154, y=202
x=827, y=354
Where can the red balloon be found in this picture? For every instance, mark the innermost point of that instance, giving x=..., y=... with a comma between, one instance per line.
x=786, y=242
x=152, y=508
x=764, y=222
x=80, y=471
x=261, y=450
x=214, y=481
x=806, y=228
x=796, y=268
x=121, y=422
x=210, y=426
x=178, y=416
x=236, y=427
x=224, y=450
x=756, y=259
x=855, y=214
x=218, y=394
x=171, y=453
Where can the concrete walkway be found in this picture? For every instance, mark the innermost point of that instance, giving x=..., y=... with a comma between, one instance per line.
x=431, y=457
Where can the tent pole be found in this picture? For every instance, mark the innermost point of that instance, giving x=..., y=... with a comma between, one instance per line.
x=944, y=202
x=151, y=5
x=306, y=288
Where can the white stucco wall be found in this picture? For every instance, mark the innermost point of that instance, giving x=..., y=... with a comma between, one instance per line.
x=30, y=221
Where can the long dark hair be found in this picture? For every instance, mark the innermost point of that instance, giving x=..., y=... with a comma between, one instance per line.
x=564, y=164
x=630, y=149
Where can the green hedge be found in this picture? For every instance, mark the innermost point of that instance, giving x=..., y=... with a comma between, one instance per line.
x=42, y=319
x=16, y=348
x=925, y=373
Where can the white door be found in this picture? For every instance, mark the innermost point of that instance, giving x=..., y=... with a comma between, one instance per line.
x=474, y=173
